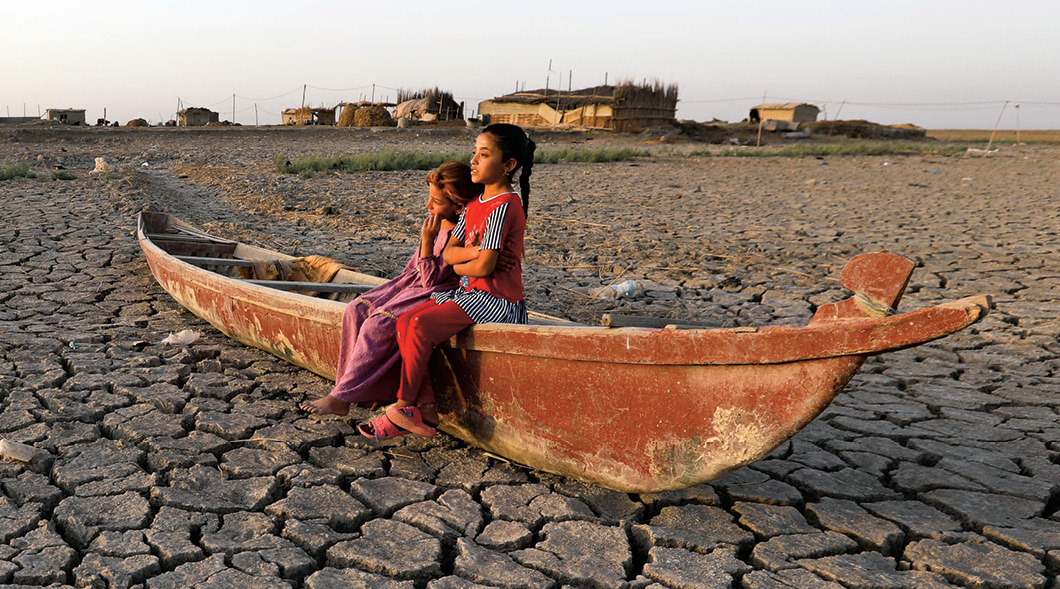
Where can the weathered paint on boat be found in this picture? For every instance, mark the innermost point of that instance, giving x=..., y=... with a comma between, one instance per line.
x=633, y=409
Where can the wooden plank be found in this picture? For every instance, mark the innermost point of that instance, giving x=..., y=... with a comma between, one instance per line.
x=201, y=261
x=181, y=237
x=311, y=286
x=615, y=320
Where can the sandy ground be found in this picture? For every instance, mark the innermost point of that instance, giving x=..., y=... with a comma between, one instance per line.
x=744, y=241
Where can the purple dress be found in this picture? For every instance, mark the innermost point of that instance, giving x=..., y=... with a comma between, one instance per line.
x=369, y=365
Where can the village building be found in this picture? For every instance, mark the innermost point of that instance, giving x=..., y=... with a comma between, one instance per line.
x=307, y=115
x=428, y=105
x=790, y=112
x=196, y=117
x=66, y=116
x=625, y=107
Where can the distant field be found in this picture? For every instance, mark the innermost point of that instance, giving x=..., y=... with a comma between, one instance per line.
x=982, y=136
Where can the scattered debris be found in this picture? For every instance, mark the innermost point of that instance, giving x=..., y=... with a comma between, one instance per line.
x=17, y=451
x=102, y=167
x=182, y=338
x=625, y=288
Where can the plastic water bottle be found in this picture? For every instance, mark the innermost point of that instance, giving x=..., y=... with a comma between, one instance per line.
x=625, y=288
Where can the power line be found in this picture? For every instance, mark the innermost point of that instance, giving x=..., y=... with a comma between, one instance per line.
x=268, y=99
x=340, y=89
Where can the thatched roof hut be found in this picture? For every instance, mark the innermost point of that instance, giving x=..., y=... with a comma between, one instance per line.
x=428, y=105
x=625, y=107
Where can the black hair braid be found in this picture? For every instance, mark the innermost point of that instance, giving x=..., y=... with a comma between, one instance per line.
x=524, y=178
x=516, y=144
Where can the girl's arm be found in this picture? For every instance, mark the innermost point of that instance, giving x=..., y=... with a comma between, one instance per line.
x=455, y=253
x=433, y=270
x=490, y=246
x=481, y=266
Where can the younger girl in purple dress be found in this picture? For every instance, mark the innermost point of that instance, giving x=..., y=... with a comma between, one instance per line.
x=369, y=361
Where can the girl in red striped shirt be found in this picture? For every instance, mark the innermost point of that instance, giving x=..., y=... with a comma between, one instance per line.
x=488, y=293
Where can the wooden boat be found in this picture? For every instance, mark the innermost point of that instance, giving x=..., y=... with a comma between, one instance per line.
x=633, y=409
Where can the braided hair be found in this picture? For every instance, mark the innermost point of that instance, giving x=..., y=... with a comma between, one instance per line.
x=515, y=143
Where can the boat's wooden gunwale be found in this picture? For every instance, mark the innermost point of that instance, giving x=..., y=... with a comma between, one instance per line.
x=715, y=346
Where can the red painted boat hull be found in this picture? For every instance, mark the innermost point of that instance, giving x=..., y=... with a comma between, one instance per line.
x=632, y=409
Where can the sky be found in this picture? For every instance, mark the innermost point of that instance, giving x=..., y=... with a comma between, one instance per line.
x=936, y=64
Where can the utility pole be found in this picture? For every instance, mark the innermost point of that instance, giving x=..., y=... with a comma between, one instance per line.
x=233, y=108
x=373, y=93
x=1018, y=125
x=301, y=111
x=547, y=76
x=255, y=114
x=760, y=121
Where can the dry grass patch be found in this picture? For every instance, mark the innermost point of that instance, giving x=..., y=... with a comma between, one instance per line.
x=983, y=136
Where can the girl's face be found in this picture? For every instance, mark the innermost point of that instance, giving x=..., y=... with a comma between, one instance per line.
x=438, y=204
x=488, y=166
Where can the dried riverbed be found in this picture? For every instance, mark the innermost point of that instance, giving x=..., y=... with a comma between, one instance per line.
x=939, y=466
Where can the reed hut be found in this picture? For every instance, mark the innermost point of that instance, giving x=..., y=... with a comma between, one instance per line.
x=307, y=115
x=66, y=116
x=625, y=107
x=790, y=112
x=428, y=105
x=196, y=116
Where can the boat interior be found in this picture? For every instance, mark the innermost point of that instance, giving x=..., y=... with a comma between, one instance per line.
x=236, y=260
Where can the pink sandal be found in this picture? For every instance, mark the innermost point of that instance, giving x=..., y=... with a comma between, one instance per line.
x=410, y=419
x=382, y=428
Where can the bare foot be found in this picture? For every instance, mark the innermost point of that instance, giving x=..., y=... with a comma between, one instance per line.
x=325, y=406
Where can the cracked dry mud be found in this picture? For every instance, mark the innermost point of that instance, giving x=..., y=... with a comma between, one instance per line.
x=161, y=466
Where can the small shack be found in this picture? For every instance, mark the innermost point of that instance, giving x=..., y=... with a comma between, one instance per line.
x=790, y=112
x=196, y=117
x=66, y=116
x=625, y=107
x=428, y=105
x=308, y=115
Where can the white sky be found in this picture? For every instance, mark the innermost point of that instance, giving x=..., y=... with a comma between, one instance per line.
x=937, y=64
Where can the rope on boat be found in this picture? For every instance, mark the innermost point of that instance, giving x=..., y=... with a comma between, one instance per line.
x=872, y=306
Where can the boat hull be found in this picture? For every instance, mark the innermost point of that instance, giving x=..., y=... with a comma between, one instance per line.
x=632, y=409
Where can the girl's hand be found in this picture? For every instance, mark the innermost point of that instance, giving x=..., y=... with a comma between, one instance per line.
x=432, y=225
x=506, y=261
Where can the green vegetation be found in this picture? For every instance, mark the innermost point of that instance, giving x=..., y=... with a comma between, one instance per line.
x=834, y=149
x=594, y=156
x=364, y=162
x=19, y=169
x=403, y=160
